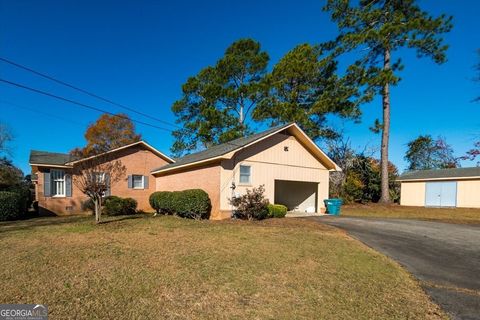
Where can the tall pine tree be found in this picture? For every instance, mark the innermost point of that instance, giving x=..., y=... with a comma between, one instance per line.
x=373, y=31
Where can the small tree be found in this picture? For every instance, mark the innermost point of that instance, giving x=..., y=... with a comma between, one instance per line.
x=426, y=153
x=473, y=153
x=252, y=205
x=107, y=133
x=94, y=176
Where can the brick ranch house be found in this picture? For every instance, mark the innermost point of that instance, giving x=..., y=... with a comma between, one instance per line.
x=293, y=169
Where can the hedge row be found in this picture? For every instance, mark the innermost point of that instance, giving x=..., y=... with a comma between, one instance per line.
x=277, y=211
x=12, y=205
x=192, y=203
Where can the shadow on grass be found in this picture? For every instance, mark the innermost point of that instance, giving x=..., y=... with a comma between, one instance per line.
x=38, y=222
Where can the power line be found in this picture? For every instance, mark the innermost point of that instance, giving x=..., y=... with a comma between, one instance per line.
x=5, y=102
x=18, y=85
x=86, y=92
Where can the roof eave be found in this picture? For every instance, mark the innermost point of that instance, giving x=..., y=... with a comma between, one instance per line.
x=51, y=165
x=187, y=165
x=442, y=178
x=229, y=155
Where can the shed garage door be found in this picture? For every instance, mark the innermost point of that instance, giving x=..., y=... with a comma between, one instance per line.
x=441, y=194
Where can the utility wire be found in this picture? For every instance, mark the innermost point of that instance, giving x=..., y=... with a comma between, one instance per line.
x=5, y=102
x=90, y=94
x=86, y=92
x=18, y=85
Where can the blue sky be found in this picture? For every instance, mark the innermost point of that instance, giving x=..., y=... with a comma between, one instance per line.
x=139, y=53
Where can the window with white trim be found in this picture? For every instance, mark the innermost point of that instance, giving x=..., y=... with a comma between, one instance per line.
x=138, y=182
x=245, y=174
x=58, y=182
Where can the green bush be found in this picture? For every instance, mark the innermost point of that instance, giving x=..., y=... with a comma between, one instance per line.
x=277, y=210
x=192, y=203
x=252, y=205
x=162, y=201
x=12, y=206
x=115, y=206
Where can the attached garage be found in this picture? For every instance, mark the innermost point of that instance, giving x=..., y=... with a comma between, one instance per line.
x=297, y=196
x=459, y=187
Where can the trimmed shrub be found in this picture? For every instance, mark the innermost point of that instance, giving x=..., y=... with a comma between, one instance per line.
x=162, y=202
x=277, y=210
x=129, y=206
x=252, y=205
x=192, y=203
x=115, y=206
x=12, y=206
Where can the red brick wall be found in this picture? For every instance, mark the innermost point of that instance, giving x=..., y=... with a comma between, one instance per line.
x=137, y=160
x=205, y=177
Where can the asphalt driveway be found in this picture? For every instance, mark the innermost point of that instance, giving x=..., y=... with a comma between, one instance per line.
x=444, y=257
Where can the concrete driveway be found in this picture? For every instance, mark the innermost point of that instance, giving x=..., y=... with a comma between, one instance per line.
x=444, y=257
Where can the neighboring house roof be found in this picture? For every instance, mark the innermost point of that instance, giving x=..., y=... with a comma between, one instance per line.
x=49, y=158
x=226, y=150
x=441, y=174
x=65, y=160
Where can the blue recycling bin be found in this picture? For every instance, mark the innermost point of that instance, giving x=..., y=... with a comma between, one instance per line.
x=333, y=206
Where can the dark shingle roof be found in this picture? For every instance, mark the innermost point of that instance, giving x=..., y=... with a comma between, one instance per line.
x=440, y=173
x=221, y=149
x=52, y=158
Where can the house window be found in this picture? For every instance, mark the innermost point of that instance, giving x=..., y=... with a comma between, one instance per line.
x=138, y=182
x=99, y=177
x=58, y=182
x=245, y=174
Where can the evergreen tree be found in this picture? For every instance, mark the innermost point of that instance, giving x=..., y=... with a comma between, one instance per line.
x=373, y=31
x=218, y=101
x=303, y=87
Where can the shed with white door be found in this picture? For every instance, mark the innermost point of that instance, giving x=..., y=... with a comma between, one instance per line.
x=458, y=187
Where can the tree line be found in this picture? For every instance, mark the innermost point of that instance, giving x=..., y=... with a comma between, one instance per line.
x=221, y=102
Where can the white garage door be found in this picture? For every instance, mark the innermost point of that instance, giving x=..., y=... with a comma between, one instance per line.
x=441, y=194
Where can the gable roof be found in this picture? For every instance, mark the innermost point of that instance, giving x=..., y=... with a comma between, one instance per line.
x=225, y=150
x=441, y=174
x=45, y=158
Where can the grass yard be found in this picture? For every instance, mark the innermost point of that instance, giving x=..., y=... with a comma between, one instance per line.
x=167, y=267
x=450, y=215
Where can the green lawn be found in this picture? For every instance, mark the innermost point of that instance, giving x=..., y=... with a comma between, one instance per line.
x=450, y=215
x=167, y=267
